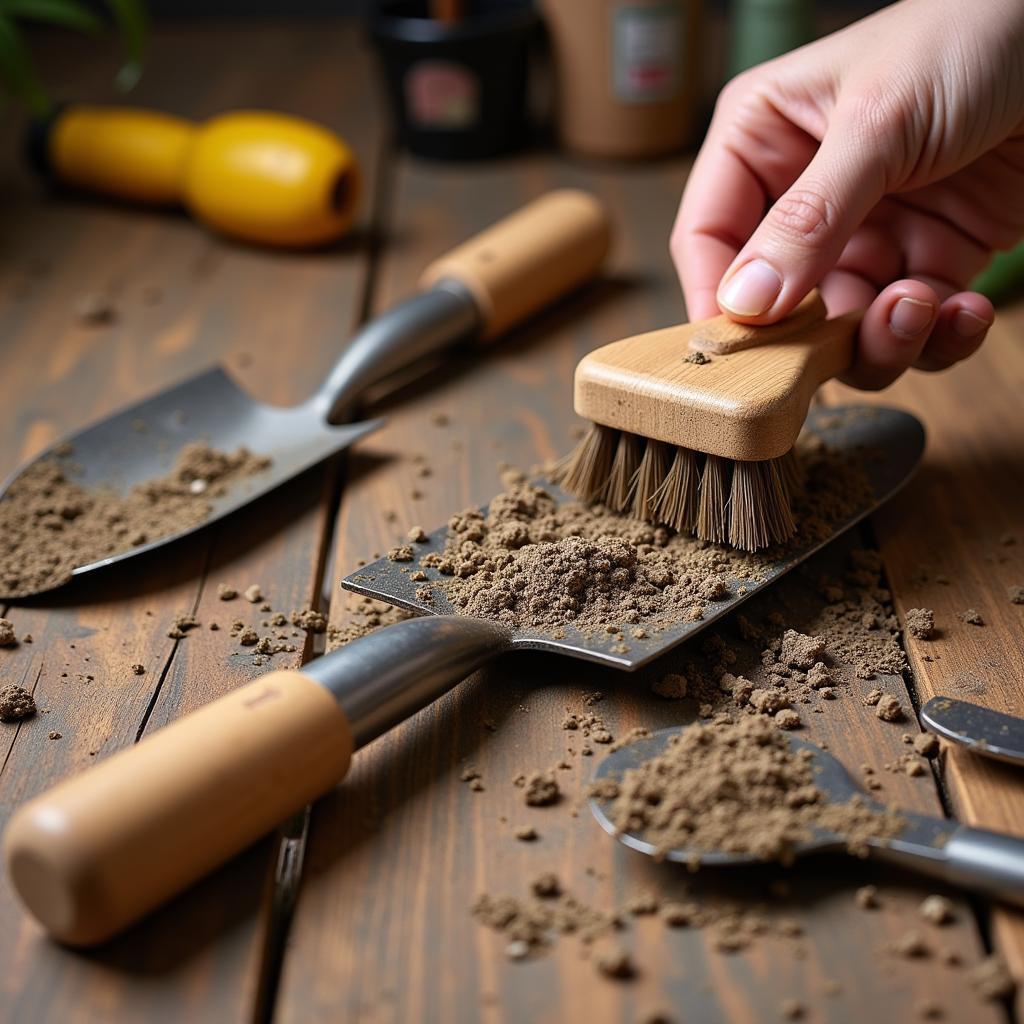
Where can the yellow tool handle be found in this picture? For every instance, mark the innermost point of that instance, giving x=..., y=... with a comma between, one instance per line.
x=529, y=259
x=103, y=848
x=136, y=155
x=255, y=175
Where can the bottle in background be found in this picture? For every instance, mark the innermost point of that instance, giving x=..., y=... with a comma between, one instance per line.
x=625, y=74
x=763, y=29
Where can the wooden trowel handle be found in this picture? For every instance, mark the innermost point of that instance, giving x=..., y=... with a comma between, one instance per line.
x=530, y=258
x=104, y=847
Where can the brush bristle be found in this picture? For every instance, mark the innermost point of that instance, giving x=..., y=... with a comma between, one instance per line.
x=713, y=507
x=745, y=504
x=649, y=478
x=586, y=469
x=630, y=450
x=676, y=499
x=759, y=506
x=792, y=473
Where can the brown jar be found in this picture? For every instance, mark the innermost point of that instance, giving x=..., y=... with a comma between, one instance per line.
x=625, y=74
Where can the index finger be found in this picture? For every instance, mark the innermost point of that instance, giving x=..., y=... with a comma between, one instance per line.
x=722, y=204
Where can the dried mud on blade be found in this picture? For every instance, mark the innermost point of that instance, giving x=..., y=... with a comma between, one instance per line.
x=889, y=442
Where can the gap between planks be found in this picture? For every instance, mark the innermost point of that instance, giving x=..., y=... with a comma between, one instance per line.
x=291, y=840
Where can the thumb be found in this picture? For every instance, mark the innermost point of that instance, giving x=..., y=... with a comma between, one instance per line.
x=805, y=231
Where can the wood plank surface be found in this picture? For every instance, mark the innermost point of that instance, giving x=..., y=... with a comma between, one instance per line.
x=184, y=299
x=399, y=852
x=953, y=541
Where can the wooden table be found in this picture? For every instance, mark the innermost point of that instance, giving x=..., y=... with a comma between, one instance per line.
x=359, y=910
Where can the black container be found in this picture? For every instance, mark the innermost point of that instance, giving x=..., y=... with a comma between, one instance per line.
x=458, y=90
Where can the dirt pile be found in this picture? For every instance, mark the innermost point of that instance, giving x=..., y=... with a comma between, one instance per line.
x=534, y=564
x=736, y=787
x=51, y=524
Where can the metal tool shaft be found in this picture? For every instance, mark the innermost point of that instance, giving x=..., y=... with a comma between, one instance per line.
x=384, y=678
x=418, y=327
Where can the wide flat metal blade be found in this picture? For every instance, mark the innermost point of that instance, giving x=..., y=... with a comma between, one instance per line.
x=893, y=442
x=143, y=440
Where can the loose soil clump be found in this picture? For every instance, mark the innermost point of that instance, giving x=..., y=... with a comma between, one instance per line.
x=52, y=524
x=921, y=623
x=16, y=703
x=992, y=979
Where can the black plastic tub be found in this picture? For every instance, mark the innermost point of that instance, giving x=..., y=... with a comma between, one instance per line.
x=458, y=91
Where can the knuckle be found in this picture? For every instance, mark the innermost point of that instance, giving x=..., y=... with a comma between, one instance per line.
x=803, y=214
x=676, y=241
x=746, y=87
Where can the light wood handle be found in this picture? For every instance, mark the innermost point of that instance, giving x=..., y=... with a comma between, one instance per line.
x=742, y=403
x=529, y=259
x=98, y=851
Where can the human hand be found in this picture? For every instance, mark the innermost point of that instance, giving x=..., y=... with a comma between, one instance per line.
x=891, y=155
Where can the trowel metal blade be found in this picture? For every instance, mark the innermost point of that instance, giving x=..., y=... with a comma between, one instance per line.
x=142, y=441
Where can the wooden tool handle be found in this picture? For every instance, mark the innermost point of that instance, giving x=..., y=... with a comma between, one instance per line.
x=528, y=259
x=100, y=850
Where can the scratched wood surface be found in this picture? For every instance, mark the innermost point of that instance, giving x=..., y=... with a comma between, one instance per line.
x=966, y=551
x=184, y=299
x=397, y=854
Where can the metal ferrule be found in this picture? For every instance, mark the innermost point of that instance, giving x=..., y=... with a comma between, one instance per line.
x=383, y=678
x=418, y=327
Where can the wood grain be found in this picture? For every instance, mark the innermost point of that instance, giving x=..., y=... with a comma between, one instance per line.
x=397, y=854
x=954, y=540
x=184, y=299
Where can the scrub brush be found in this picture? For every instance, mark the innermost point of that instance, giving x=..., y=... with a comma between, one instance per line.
x=694, y=426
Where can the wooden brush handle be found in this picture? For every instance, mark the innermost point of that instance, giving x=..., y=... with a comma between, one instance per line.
x=103, y=848
x=747, y=401
x=529, y=259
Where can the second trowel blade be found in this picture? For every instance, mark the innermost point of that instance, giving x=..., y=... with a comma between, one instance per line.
x=891, y=441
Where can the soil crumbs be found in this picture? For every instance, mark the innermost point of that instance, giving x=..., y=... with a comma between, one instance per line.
x=51, y=524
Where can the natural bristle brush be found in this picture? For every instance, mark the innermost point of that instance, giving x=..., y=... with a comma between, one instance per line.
x=694, y=426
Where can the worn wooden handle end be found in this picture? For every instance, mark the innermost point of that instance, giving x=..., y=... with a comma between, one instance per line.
x=98, y=851
x=529, y=259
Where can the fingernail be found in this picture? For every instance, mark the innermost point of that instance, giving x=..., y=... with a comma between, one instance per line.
x=751, y=290
x=969, y=325
x=909, y=317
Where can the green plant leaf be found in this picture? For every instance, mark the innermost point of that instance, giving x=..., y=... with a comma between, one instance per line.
x=132, y=23
x=16, y=70
x=63, y=13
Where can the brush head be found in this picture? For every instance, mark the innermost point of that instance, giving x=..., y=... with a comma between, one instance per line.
x=745, y=504
x=746, y=398
x=705, y=444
